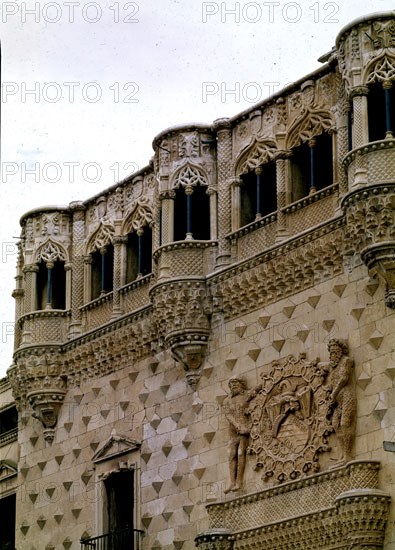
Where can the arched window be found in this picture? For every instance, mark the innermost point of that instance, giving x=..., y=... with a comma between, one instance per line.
x=51, y=285
x=191, y=206
x=381, y=110
x=139, y=253
x=102, y=271
x=51, y=277
x=311, y=166
x=258, y=196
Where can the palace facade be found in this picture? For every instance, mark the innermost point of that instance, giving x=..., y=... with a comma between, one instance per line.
x=204, y=352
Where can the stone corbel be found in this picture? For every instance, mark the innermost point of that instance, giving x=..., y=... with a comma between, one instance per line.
x=380, y=258
x=46, y=404
x=189, y=349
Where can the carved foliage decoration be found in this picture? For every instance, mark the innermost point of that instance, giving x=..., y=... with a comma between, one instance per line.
x=371, y=232
x=289, y=424
x=139, y=215
x=181, y=318
x=382, y=35
x=311, y=124
x=102, y=237
x=282, y=276
x=260, y=152
x=189, y=176
x=188, y=146
x=381, y=69
x=50, y=252
x=38, y=379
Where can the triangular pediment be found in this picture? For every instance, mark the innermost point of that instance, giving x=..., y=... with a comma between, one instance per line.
x=7, y=469
x=116, y=445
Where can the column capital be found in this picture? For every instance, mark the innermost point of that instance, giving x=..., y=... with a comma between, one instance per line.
x=167, y=194
x=119, y=239
x=77, y=206
x=282, y=154
x=32, y=268
x=222, y=124
x=358, y=91
x=235, y=181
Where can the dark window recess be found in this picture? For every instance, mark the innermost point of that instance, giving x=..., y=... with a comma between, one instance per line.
x=376, y=111
x=102, y=272
x=249, y=194
x=323, y=162
x=8, y=420
x=302, y=181
x=134, y=266
x=7, y=523
x=57, y=294
x=300, y=171
x=120, y=500
x=200, y=214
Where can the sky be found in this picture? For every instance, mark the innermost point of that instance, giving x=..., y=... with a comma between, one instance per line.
x=86, y=86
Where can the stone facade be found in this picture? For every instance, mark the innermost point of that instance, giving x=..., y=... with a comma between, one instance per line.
x=204, y=352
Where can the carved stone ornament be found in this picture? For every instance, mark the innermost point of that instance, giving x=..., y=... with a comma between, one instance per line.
x=371, y=232
x=293, y=415
x=46, y=405
x=181, y=317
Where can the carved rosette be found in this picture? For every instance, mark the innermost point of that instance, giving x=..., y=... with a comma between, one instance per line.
x=181, y=312
x=370, y=232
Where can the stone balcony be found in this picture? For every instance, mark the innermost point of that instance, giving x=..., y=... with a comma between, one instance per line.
x=189, y=258
x=44, y=327
x=371, y=164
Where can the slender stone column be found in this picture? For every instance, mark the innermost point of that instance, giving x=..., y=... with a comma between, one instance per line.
x=212, y=193
x=282, y=170
x=30, y=272
x=360, y=131
x=119, y=242
x=78, y=283
x=167, y=198
x=88, y=278
x=223, y=128
x=235, y=184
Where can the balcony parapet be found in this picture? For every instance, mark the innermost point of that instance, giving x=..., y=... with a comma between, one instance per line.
x=372, y=163
x=182, y=259
x=47, y=326
x=310, y=199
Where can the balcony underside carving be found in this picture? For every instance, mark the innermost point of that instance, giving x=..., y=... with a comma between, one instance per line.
x=338, y=509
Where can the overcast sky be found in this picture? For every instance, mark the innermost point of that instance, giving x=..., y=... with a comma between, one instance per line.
x=88, y=85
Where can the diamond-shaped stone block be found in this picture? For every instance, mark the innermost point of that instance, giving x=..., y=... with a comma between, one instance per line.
x=240, y=330
x=356, y=312
x=230, y=362
x=376, y=339
x=339, y=289
x=288, y=311
x=327, y=324
x=253, y=353
x=278, y=344
x=313, y=300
